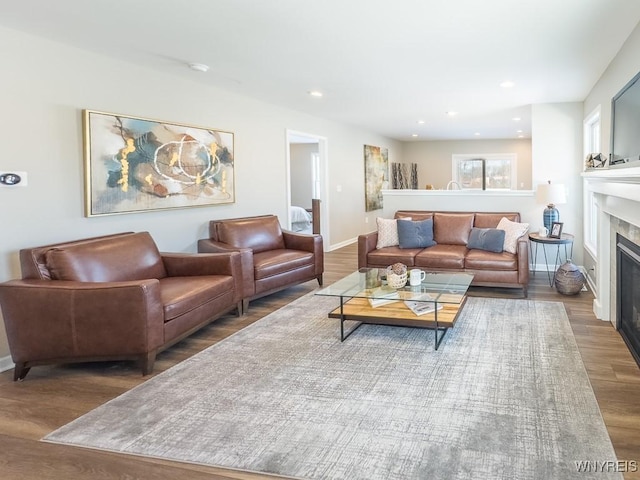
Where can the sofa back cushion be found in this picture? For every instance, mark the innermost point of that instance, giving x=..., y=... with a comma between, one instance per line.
x=121, y=258
x=452, y=228
x=491, y=220
x=257, y=233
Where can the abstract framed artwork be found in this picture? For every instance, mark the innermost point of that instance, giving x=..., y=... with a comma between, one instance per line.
x=376, y=176
x=136, y=164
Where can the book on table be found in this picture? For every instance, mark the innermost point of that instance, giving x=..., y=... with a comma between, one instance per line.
x=422, y=305
x=382, y=296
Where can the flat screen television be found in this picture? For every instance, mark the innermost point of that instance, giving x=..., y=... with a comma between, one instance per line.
x=625, y=124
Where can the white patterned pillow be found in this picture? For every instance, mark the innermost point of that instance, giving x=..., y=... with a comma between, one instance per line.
x=512, y=232
x=387, y=232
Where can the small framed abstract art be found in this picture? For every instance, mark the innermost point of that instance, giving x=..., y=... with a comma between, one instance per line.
x=136, y=164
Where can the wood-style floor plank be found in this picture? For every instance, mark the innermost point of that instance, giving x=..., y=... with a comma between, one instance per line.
x=52, y=396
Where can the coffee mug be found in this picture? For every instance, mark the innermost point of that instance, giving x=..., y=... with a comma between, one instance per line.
x=543, y=232
x=416, y=277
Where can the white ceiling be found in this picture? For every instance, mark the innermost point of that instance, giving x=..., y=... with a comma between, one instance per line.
x=382, y=65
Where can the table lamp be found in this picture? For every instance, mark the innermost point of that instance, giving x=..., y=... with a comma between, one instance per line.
x=552, y=194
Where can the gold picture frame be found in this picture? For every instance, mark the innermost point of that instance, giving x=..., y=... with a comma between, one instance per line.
x=135, y=164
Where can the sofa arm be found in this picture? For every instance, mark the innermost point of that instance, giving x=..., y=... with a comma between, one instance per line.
x=366, y=243
x=206, y=245
x=194, y=264
x=52, y=319
x=307, y=243
x=522, y=250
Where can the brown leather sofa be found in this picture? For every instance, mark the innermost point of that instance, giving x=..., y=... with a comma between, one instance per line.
x=113, y=297
x=451, y=232
x=272, y=259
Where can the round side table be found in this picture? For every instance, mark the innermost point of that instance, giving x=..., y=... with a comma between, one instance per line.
x=566, y=240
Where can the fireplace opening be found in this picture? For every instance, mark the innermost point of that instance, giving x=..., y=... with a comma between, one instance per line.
x=628, y=293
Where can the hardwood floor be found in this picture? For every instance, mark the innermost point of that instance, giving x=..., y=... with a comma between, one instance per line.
x=53, y=396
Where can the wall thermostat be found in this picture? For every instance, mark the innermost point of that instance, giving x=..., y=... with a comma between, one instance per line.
x=13, y=179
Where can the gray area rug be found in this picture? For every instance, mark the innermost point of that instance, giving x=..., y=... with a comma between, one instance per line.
x=506, y=396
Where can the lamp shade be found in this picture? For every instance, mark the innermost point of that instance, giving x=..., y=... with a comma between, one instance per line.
x=552, y=193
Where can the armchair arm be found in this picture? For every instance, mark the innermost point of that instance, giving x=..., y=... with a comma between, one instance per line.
x=48, y=319
x=366, y=243
x=193, y=264
x=522, y=250
x=189, y=264
x=206, y=245
x=307, y=243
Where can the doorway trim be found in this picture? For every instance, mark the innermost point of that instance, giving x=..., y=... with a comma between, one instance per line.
x=290, y=135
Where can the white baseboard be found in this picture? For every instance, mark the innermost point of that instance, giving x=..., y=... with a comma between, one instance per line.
x=6, y=364
x=336, y=246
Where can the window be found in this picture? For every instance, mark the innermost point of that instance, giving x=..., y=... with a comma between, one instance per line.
x=591, y=145
x=495, y=171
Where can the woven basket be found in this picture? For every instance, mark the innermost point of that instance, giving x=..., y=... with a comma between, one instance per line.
x=569, y=279
x=396, y=281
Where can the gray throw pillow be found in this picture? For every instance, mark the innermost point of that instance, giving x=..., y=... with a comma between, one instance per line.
x=415, y=234
x=490, y=239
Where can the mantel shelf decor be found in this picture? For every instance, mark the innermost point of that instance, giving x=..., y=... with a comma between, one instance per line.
x=136, y=164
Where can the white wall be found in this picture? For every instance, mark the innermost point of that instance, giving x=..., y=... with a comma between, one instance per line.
x=556, y=146
x=620, y=71
x=45, y=85
x=434, y=158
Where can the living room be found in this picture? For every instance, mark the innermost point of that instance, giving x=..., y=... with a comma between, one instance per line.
x=47, y=83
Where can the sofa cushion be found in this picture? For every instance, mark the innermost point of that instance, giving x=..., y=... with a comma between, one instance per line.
x=114, y=259
x=387, y=232
x=452, y=228
x=258, y=233
x=513, y=231
x=181, y=295
x=415, y=234
x=384, y=257
x=276, y=262
x=491, y=219
x=442, y=256
x=490, y=239
x=483, y=260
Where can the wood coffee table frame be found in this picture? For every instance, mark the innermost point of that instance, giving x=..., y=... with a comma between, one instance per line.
x=447, y=290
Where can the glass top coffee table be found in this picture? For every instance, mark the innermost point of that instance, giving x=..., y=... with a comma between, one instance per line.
x=365, y=297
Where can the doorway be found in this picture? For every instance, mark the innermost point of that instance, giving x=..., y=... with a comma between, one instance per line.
x=307, y=176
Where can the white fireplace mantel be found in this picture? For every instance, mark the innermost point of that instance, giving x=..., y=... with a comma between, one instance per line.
x=617, y=196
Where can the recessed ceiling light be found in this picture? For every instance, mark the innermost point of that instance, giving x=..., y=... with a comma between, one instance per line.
x=507, y=84
x=518, y=131
x=199, y=67
x=520, y=136
x=452, y=113
x=477, y=134
x=414, y=134
x=421, y=122
x=315, y=93
x=516, y=119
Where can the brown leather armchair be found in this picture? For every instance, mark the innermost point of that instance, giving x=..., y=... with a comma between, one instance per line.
x=272, y=258
x=112, y=298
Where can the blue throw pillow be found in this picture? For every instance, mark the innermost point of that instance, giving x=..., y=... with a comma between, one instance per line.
x=415, y=234
x=490, y=239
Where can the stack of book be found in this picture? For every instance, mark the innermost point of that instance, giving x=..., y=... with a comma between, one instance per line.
x=383, y=296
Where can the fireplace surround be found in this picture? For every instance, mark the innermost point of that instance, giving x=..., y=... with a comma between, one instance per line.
x=628, y=293
x=617, y=195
